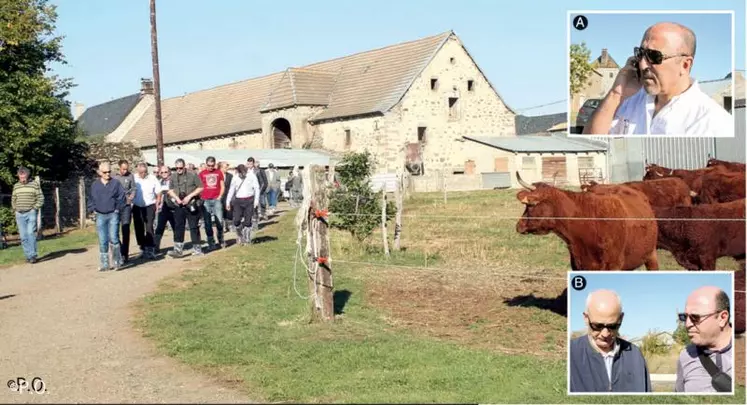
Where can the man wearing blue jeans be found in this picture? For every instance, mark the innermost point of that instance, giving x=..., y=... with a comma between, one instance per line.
x=27, y=200
x=107, y=199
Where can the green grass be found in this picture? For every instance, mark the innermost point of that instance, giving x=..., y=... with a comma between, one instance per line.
x=239, y=318
x=73, y=240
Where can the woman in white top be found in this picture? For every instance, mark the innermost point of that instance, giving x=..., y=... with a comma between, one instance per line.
x=243, y=198
x=163, y=209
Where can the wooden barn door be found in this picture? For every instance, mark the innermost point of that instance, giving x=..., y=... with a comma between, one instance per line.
x=554, y=169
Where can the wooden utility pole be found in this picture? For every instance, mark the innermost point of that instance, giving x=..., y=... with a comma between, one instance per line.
x=384, y=233
x=156, y=81
x=320, y=266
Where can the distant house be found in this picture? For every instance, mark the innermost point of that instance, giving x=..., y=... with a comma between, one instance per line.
x=721, y=89
x=602, y=77
x=115, y=118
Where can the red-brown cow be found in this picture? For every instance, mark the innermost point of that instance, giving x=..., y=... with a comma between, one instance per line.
x=691, y=177
x=720, y=187
x=739, y=314
x=733, y=166
x=663, y=192
x=694, y=241
x=601, y=240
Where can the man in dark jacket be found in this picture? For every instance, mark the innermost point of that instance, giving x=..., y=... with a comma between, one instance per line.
x=601, y=361
x=127, y=180
x=107, y=199
x=227, y=215
x=253, y=164
x=184, y=194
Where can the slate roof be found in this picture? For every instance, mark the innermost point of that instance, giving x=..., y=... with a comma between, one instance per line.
x=538, y=144
x=359, y=84
x=104, y=118
x=531, y=125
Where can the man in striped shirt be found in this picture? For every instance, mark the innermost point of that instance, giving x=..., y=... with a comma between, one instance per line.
x=27, y=200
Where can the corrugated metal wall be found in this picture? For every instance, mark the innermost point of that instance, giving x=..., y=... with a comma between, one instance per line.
x=679, y=153
x=733, y=149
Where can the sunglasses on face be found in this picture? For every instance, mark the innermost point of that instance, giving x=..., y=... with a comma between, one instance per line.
x=180, y=168
x=653, y=56
x=598, y=327
x=106, y=172
x=694, y=318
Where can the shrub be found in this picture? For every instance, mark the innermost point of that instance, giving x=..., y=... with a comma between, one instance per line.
x=355, y=197
x=680, y=335
x=8, y=221
x=653, y=344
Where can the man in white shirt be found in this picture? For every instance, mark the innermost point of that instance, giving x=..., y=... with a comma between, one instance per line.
x=654, y=94
x=243, y=198
x=144, y=210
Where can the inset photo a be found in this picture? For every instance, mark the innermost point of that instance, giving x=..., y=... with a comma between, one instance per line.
x=652, y=73
x=667, y=332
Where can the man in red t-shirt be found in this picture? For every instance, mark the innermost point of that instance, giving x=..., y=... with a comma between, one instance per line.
x=213, y=184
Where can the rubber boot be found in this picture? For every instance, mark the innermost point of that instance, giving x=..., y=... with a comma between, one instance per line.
x=197, y=250
x=103, y=261
x=247, y=233
x=157, y=244
x=116, y=256
x=177, y=251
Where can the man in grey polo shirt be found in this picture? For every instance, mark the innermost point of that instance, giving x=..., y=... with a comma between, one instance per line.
x=706, y=318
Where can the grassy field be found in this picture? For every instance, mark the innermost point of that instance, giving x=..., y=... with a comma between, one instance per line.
x=467, y=312
x=51, y=247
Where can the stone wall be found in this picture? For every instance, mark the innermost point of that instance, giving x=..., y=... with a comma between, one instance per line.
x=251, y=140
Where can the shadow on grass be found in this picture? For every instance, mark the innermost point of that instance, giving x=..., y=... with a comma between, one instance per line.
x=60, y=253
x=341, y=298
x=558, y=305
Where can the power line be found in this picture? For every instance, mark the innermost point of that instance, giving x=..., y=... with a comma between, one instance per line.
x=542, y=105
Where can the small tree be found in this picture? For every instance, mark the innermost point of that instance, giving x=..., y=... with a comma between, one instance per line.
x=357, y=206
x=680, y=335
x=580, y=67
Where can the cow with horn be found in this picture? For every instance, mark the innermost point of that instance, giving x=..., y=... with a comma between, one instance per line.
x=611, y=231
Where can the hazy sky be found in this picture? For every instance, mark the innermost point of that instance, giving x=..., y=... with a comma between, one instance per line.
x=521, y=46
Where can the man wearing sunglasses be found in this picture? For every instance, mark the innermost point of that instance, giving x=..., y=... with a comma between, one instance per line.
x=654, y=94
x=705, y=365
x=107, y=198
x=213, y=187
x=184, y=190
x=601, y=361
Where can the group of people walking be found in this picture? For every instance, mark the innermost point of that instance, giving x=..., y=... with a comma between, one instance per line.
x=182, y=199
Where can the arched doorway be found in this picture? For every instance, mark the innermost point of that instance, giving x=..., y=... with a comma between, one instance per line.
x=281, y=134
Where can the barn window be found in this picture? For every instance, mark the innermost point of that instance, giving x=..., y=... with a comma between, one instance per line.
x=453, y=108
x=199, y=145
x=234, y=144
x=452, y=60
x=586, y=162
x=470, y=85
x=348, y=139
x=529, y=163
x=610, y=75
x=727, y=103
x=421, y=135
x=434, y=83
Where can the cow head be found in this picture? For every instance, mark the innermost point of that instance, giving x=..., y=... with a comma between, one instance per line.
x=589, y=186
x=654, y=171
x=537, y=199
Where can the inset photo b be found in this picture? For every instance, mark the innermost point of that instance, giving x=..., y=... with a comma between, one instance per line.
x=654, y=333
x=642, y=73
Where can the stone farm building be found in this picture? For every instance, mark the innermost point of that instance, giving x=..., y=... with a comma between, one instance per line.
x=422, y=104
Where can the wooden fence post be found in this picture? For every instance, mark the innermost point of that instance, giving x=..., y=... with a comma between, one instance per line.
x=398, y=197
x=320, y=266
x=39, y=213
x=82, y=202
x=443, y=183
x=57, y=224
x=383, y=221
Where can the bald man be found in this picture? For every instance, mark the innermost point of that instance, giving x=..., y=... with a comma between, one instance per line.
x=600, y=361
x=665, y=100
x=107, y=200
x=706, y=318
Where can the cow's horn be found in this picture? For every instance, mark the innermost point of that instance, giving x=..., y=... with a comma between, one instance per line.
x=659, y=174
x=693, y=194
x=524, y=183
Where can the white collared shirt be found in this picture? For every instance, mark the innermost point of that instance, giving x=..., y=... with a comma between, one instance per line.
x=609, y=358
x=147, y=190
x=692, y=113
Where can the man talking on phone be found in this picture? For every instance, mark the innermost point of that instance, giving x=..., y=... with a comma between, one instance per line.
x=654, y=94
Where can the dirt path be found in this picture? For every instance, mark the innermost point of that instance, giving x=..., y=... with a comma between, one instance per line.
x=65, y=322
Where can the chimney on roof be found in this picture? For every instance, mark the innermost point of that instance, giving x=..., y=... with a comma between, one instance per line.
x=78, y=110
x=146, y=86
x=605, y=57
